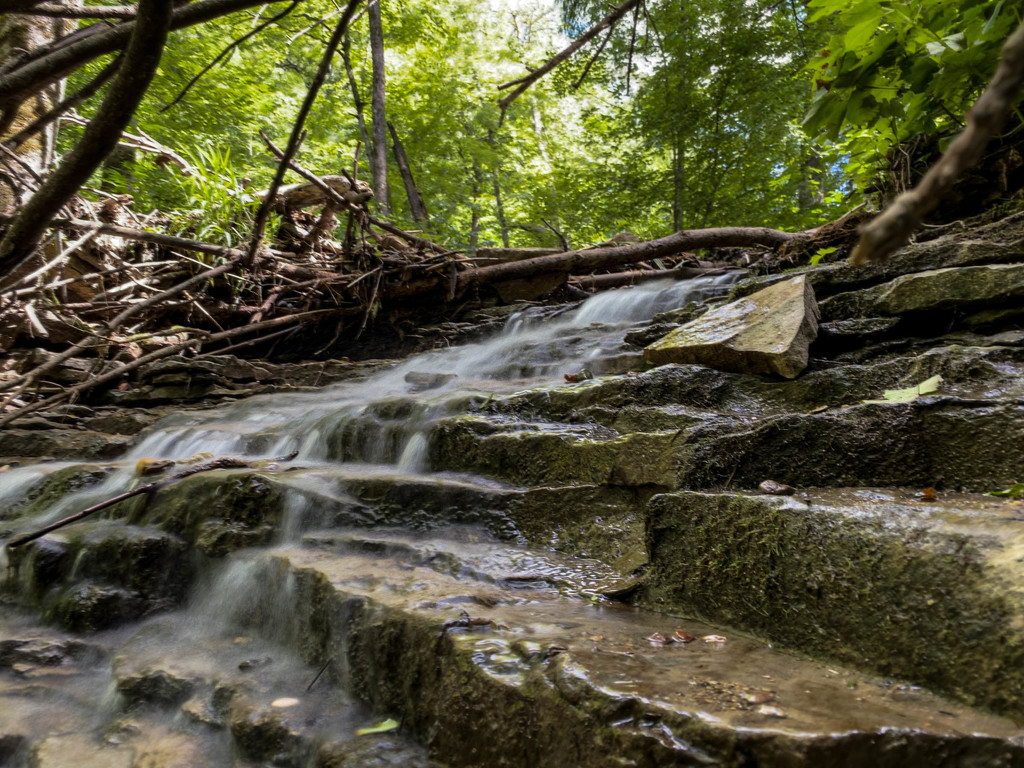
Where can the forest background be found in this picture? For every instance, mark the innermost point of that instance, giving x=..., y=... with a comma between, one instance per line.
x=684, y=115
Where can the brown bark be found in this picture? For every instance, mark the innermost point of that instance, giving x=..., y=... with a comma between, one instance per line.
x=892, y=229
x=606, y=258
x=297, y=134
x=595, y=258
x=380, y=129
x=93, y=12
x=357, y=100
x=57, y=61
x=98, y=139
x=636, y=276
x=416, y=205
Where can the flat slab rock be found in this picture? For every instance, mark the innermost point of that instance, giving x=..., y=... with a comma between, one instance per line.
x=767, y=332
x=935, y=290
x=598, y=690
x=922, y=586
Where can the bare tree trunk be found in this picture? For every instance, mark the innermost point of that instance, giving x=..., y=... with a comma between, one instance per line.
x=416, y=205
x=17, y=35
x=474, y=224
x=499, y=207
x=380, y=128
x=357, y=100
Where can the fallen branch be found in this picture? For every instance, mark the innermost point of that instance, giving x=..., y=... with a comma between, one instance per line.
x=605, y=258
x=297, y=134
x=221, y=463
x=92, y=12
x=170, y=241
x=159, y=354
x=633, y=277
x=892, y=229
x=65, y=56
x=72, y=101
x=332, y=195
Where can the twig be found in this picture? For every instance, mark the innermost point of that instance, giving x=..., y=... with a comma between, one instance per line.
x=359, y=212
x=159, y=354
x=72, y=101
x=524, y=83
x=221, y=463
x=263, y=212
x=54, y=261
x=80, y=346
x=98, y=139
x=592, y=59
x=318, y=674
x=230, y=47
x=558, y=234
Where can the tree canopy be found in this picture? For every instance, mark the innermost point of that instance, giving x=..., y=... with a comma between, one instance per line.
x=653, y=129
x=680, y=115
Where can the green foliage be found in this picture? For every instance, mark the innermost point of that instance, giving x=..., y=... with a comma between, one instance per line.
x=891, y=71
x=217, y=209
x=1015, y=491
x=707, y=133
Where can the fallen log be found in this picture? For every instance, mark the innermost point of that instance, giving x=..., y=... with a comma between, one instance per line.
x=591, y=259
x=633, y=277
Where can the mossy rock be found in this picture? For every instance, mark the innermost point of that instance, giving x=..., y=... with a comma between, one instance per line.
x=920, y=594
x=52, y=487
x=219, y=511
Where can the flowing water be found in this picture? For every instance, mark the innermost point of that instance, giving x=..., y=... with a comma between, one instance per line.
x=386, y=419
x=292, y=654
x=238, y=617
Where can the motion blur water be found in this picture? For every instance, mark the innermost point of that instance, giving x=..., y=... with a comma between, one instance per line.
x=386, y=419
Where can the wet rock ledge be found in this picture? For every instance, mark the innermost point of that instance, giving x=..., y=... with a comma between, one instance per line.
x=589, y=573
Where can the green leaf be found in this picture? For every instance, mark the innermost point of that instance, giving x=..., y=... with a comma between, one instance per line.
x=1015, y=491
x=909, y=394
x=822, y=253
x=384, y=726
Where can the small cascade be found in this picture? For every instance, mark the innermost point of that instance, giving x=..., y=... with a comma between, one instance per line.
x=466, y=563
x=386, y=419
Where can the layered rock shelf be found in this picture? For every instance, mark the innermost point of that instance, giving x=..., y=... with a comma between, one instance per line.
x=547, y=551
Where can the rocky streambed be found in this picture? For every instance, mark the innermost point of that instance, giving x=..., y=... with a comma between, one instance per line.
x=542, y=549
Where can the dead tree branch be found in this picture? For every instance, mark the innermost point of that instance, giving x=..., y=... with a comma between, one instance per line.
x=92, y=12
x=225, y=462
x=173, y=349
x=892, y=229
x=100, y=136
x=263, y=212
x=336, y=198
x=523, y=83
x=72, y=101
x=605, y=258
x=68, y=54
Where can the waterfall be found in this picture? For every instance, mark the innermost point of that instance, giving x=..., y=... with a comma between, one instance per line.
x=386, y=419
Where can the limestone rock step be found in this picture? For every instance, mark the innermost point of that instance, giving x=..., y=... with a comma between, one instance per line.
x=922, y=443
x=469, y=554
x=498, y=677
x=687, y=426
x=931, y=590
